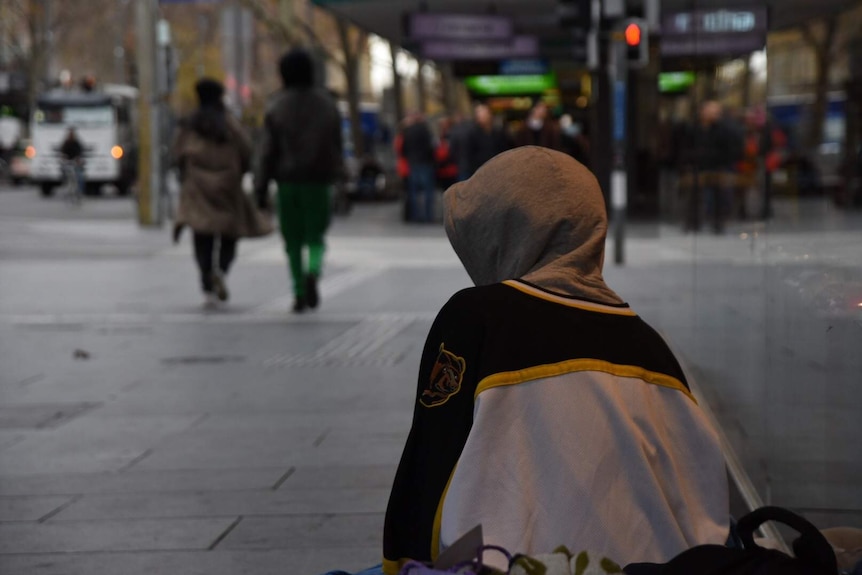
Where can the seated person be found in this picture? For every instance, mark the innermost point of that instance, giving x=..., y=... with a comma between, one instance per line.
x=548, y=411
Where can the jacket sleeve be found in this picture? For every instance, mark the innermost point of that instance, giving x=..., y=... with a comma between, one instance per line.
x=266, y=162
x=442, y=419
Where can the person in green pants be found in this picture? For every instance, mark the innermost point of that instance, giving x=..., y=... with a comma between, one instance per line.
x=303, y=214
x=301, y=150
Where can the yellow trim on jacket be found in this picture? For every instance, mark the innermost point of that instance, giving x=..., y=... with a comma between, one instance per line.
x=568, y=301
x=438, y=519
x=575, y=365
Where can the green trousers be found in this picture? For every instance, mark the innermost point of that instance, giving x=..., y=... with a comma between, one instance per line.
x=303, y=214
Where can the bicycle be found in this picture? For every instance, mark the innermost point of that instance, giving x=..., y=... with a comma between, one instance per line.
x=71, y=189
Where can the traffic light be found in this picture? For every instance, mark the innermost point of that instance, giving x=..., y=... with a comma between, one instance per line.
x=636, y=37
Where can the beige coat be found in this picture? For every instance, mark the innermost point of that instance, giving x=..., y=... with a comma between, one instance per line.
x=212, y=199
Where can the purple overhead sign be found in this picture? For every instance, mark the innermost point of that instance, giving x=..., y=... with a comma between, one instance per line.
x=517, y=47
x=728, y=31
x=425, y=26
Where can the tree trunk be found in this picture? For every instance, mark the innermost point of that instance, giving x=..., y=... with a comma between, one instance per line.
x=823, y=55
x=351, y=75
x=397, y=89
x=38, y=30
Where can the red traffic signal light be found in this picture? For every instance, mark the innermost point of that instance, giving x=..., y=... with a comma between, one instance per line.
x=633, y=34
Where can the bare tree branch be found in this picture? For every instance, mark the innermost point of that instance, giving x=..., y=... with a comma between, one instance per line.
x=262, y=14
x=282, y=31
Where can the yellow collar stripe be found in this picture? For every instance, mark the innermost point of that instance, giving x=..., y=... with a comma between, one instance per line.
x=575, y=365
x=567, y=301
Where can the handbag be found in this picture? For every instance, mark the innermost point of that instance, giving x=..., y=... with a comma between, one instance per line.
x=813, y=553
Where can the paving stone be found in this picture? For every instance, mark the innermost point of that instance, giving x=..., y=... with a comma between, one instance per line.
x=141, y=481
x=307, y=531
x=29, y=508
x=10, y=437
x=23, y=460
x=80, y=536
x=40, y=415
x=91, y=444
x=226, y=503
x=261, y=562
x=341, y=477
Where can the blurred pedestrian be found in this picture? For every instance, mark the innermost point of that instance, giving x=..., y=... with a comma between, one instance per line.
x=444, y=155
x=212, y=153
x=418, y=149
x=72, y=151
x=301, y=150
x=573, y=141
x=773, y=152
x=484, y=140
x=539, y=129
x=459, y=133
x=547, y=411
x=711, y=153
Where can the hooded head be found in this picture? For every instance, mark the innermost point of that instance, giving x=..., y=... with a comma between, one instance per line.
x=534, y=214
x=297, y=69
x=210, y=119
x=210, y=92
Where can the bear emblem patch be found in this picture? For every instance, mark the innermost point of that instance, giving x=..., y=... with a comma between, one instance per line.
x=446, y=377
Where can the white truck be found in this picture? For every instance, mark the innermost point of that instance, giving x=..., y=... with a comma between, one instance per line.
x=104, y=122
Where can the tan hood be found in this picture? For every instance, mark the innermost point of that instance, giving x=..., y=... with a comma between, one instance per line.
x=534, y=214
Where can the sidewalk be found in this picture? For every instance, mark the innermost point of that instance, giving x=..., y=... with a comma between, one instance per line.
x=253, y=441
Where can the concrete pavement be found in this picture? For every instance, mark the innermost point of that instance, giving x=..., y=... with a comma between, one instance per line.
x=139, y=434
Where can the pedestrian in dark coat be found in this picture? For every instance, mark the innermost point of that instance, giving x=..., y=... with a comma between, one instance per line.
x=540, y=129
x=301, y=150
x=418, y=150
x=484, y=141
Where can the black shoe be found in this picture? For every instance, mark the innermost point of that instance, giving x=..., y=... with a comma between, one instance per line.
x=299, y=304
x=311, y=293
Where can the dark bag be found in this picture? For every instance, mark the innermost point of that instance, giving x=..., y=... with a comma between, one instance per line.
x=813, y=554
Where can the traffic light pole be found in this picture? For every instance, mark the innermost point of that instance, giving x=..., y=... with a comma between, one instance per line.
x=618, y=75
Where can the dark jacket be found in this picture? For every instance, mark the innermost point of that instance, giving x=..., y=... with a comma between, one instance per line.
x=300, y=140
x=481, y=146
x=418, y=145
x=72, y=149
x=548, y=136
x=712, y=148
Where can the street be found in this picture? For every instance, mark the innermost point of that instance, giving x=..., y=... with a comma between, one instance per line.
x=140, y=434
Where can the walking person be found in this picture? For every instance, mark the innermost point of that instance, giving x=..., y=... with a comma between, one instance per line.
x=418, y=149
x=301, y=150
x=711, y=153
x=212, y=153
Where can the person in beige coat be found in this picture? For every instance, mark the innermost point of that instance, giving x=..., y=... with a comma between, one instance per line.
x=212, y=152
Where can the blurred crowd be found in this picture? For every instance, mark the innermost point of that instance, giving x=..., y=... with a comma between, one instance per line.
x=432, y=157
x=720, y=165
